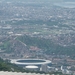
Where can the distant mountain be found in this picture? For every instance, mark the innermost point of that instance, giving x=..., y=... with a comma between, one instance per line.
x=31, y=0
x=69, y=0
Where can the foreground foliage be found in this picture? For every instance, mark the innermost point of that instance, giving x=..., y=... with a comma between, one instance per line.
x=6, y=66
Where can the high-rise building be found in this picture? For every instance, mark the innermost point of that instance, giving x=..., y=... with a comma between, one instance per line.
x=44, y=68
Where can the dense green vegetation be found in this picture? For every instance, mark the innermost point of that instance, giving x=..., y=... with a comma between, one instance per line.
x=6, y=46
x=47, y=45
x=6, y=66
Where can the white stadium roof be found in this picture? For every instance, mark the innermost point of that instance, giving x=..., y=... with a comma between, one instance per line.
x=15, y=61
x=32, y=67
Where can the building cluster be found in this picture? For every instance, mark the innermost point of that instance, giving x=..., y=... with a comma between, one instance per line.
x=36, y=20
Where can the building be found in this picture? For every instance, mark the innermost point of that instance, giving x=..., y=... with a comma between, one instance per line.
x=44, y=68
x=32, y=64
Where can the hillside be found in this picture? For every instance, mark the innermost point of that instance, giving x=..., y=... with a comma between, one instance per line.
x=48, y=46
x=23, y=45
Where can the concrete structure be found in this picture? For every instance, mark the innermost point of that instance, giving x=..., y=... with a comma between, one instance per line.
x=32, y=68
x=31, y=64
x=44, y=68
x=30, y=61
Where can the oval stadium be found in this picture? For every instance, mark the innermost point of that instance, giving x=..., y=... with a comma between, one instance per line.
x=32, y=64
x=30, y=61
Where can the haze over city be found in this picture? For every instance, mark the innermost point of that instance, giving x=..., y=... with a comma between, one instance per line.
x=37, y=36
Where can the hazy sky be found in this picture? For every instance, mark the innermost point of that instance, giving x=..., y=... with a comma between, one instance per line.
x=55, y=1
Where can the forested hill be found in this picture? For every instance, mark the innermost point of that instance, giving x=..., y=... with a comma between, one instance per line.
x=47, y=45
